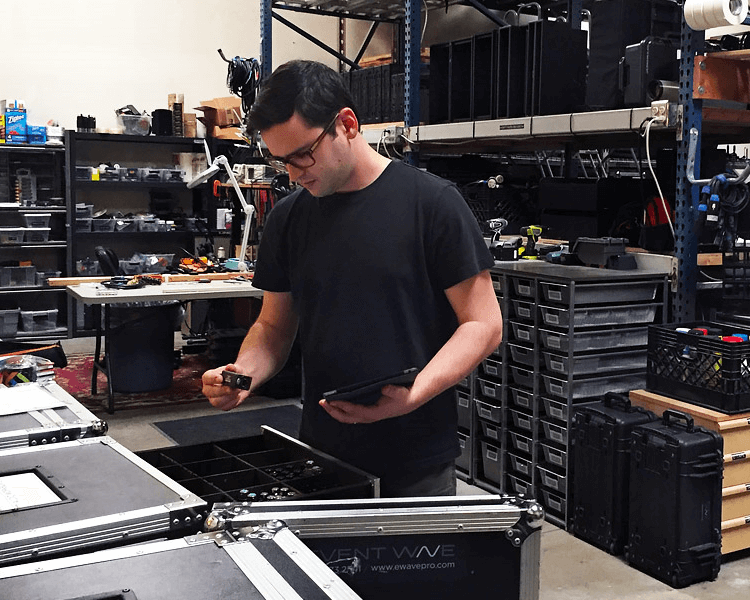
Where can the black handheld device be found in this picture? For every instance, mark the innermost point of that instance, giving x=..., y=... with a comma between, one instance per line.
x=368, y=392
x=235, y=380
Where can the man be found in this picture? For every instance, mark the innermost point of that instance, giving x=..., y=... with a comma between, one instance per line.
x=380, y=267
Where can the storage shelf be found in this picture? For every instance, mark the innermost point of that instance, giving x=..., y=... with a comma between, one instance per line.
x=29, y=289
x=31, y=245
x=139, y=139
x=120, y=185
x=31, y=148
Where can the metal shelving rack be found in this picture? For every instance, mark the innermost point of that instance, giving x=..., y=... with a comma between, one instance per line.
x=48, y=257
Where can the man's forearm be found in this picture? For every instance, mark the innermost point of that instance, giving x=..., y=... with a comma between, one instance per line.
x=264, y=352
x=466, y=348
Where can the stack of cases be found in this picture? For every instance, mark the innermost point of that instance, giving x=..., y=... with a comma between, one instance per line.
x=573, y=334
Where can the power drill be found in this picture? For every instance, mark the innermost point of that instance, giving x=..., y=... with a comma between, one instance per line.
x=532, y=233
x=503, y=249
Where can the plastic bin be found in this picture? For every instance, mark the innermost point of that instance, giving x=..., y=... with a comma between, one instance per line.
x=84, y=211
x=9, y=322
x=36, y=235
x=523, y=332
x=521, y=420
x=135, y=124
x=83, y=225
x=102, y=225
x=157, y=263
x=490, y=412
x=608, y=362
x=520, y=442
x=43, y=277
x=11, y=235
x=620, y=291
x=36, y=219
x=586, y=341
x=126, y=225
x=463, y=402
x=131, y=267
x=520, y=465
x=17, y=276
x=522, y=355
x=552, y=479
x=554, y=456
x=702, y=370
x=491, y=431
x=523, y=310
x=492, y=367
x=522, y=398
x=489, y=389
x=39, y=320
x=593, y=386
x=491, y=465
x=598, y=316
x=88, y=267
x=463, y=462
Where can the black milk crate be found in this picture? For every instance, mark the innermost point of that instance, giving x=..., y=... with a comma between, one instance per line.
x=702, y=370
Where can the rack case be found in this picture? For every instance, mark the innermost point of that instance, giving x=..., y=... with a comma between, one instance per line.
x=406, y=548
x=83, y=495
x=273, y=564
x=34, y=414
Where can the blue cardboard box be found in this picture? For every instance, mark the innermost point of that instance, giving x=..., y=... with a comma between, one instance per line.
x=37, y=134
x=16, y=131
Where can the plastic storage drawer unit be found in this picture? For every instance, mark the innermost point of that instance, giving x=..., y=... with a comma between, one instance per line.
x=39, y=320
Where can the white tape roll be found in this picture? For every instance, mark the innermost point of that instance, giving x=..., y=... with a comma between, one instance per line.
x=705, y=14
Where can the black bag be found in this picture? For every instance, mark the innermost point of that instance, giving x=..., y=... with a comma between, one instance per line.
x=675, y=500
x=600, y=446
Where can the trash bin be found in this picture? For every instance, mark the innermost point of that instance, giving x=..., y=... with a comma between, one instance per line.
x=141, y=346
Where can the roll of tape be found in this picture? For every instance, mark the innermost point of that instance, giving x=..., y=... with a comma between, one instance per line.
x=705, y=14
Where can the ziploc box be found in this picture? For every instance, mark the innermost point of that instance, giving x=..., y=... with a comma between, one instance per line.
x=37, y=134
x=15, y=122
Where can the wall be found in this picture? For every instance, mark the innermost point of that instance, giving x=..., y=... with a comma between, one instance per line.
x=84, y=57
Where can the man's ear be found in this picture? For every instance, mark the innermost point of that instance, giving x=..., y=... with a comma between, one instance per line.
x=350, y=122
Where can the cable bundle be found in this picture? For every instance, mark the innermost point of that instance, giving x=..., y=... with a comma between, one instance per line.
x=243, y=79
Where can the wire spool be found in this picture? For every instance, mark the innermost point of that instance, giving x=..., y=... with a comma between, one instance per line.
x=706, y=14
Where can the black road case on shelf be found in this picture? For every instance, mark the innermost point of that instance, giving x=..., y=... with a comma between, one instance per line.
x=407, y=548
x=269, y=466
x=273, y=564
x=600, y=440
x=675, y=500
x=84, y=495
x=33, y=414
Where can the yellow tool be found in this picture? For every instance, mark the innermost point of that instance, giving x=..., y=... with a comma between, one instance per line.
x=532, y=234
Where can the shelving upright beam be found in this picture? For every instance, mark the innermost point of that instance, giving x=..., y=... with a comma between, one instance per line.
x=687, y=195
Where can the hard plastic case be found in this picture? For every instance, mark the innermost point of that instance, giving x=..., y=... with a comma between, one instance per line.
x=407, y=548
x=600, y=446
x=35, y=414
x=272, y=564
x=675, y=500
x=83, y=495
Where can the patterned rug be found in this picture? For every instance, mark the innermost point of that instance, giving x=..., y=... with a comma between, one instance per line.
x=186, y=384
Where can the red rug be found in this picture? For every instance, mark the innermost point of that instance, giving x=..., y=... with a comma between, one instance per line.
x=186, y=384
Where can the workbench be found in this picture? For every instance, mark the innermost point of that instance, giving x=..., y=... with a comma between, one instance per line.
x=179, y=290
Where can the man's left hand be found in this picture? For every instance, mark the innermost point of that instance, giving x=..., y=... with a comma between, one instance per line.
x=394, y=402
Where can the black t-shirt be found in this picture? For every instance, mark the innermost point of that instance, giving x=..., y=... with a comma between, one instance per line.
x=367, y=271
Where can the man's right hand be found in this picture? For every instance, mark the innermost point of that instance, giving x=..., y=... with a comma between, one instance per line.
x=219, y=395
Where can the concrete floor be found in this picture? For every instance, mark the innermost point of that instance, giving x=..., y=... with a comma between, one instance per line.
x=570, y=568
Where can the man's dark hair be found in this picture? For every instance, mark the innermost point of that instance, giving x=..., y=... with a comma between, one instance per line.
x=311, y=89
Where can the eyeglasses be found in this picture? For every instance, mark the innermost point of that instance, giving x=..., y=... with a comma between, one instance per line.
x=303, y=159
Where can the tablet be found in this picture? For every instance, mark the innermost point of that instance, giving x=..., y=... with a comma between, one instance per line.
x=368, y=392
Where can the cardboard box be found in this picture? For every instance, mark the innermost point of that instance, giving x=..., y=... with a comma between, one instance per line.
x=221, y=112
x=15, y=126
x=225, y=133
x=37, y=134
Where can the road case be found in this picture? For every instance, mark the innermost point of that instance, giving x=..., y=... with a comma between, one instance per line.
x=600, y=443
x=272, y=564
x=34, y=414
x=405, y=548
x=675, y=500
x=269, y=466
x=83, y=495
